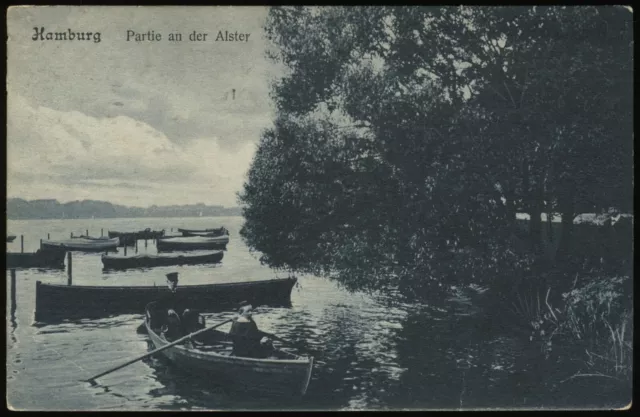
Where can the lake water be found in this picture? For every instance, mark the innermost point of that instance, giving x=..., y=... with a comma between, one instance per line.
x=372, y=354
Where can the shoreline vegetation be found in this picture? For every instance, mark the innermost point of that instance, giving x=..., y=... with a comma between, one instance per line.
x=19, y=209
x=406, y=141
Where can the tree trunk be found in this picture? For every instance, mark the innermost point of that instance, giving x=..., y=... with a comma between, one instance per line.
x=535, y=225
x=567, y=207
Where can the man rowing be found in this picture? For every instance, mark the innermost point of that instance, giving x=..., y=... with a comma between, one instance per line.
x=248, y=340
x=166, y=307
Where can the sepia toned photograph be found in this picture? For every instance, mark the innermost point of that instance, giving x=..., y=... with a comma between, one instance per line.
x=319, y=208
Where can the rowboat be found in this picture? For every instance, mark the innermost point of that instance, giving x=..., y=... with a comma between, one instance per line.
x=149, y=234
x=220, y=231
x=42, y=258
x=149, y=261
x=129, y=238
x=10, y=238
x=56, y=301
x=282, y=374
x=126, y=239
x=82, y=244
x=192, y=243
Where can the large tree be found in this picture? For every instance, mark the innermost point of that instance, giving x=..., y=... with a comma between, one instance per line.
x=406, y=133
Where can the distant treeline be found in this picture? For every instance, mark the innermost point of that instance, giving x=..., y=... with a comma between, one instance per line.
x=18, y=208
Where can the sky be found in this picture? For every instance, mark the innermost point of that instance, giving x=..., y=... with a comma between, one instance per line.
x=135, y=123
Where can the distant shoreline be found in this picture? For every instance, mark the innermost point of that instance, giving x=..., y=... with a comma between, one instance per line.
x=49, y=209
x=121, y=218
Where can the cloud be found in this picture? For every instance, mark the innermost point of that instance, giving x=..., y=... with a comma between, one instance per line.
x=135, y=122
x=181, y=89
x=55, y=153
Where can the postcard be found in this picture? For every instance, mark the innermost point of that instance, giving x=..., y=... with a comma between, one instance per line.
x=319, y=208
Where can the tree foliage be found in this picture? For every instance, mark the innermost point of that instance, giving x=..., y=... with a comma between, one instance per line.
x=408, y=134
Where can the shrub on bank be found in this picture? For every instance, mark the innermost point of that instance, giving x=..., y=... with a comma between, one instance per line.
x=597, y=320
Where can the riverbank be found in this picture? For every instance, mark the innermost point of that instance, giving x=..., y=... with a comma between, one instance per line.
x=576, y=315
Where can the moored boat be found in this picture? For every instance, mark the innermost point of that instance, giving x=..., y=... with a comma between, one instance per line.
x=149, y=261
x=42, y=258
x=83, y=244
x=56, y=301
x=280, y=374
x=10, y=238
x=129, y=238
x=192, y=243
x=220, y=231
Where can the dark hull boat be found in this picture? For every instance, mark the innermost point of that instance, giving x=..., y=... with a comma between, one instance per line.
x=55, y=301
x=10, y=238
x=126, y=239
x=221, y=231
x=282, y=374
x=192, y=243
x=149, y=234
x=43, y=258
x=150, y=261
x=130, y=238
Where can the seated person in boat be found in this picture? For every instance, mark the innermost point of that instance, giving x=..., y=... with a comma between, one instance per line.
x=248, y=341
x=167, y=302
x=172, y=330
x=192, y=321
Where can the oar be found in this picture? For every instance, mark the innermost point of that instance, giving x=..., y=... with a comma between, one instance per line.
x=182, y=339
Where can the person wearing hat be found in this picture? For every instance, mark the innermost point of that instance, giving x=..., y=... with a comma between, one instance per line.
x=245, y=334
x=172, y=281
x=166, y=303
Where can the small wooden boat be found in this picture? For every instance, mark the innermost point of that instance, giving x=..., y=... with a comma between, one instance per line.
x=10, y=238
x=82, y=244
x=150, y=261
x=149, y=234
x=129, y=238
x=281, y=374
x=56, y=301
x=220, y=231
x=192, y=243
x=126, y=239
x=42, y=258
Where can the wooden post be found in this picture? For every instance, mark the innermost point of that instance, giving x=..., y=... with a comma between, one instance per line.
x=87, y=234
x=136, y=245
x=125, y=249
x=69, y=268
x=101, y=232
x=48, y=236
x=145, y=243
x=71, y=234
x=21, y=243
x=13, y=292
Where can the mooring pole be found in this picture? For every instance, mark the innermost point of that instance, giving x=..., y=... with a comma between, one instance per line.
x=69, y=268
x=136, y=245
x=71, y=234
x=21, y=243
x=101, y=232
x=145, y=243
x=13, y=292
x=87, y=234
x=48, y=236
x=125, y=249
